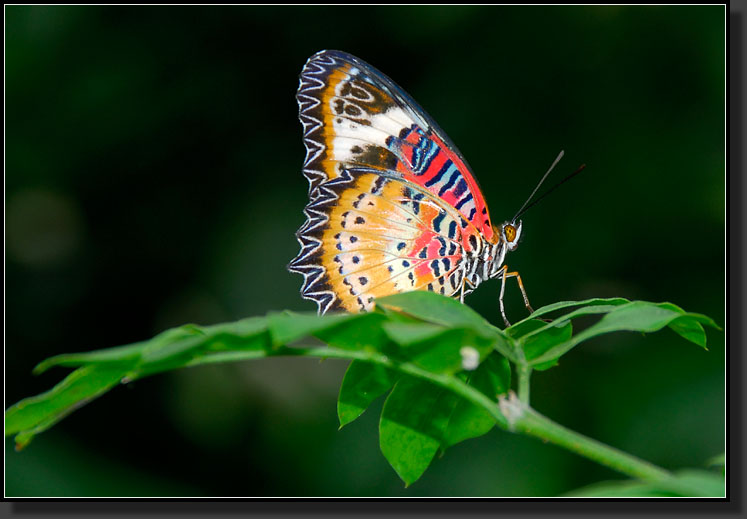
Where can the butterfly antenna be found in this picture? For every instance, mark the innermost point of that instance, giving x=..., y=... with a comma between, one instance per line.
x=557, y=159
x=553, y=188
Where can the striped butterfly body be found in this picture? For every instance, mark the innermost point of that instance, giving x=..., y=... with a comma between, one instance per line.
x=393, y=205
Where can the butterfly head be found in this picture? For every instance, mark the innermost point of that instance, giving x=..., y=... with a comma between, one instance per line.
x=506, y=239
x=511, y=232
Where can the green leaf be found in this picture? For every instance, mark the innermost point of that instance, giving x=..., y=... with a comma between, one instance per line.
x=703, y=319
x=614, y=301
x=443, y=352
x=36, y=414
x=406, y=334
x=365, y=331
x=286, y=327
x=223, y=342
x=412, y=424
x=536, y=337
x=130, y=352
x=234, y=335
x=535, y=344
x=492, y=378
x=691, y=482
x=542, y=366
x=420, y=418
x=685, y=483
x=363, y=383
x=250, y=333
x=423, y=306
x=172, y=345
x=414, y=342
x=435, y=308
x=525, y=328
x=241, y=329
x=638, y=316
x=689, y=329
x=176, y=347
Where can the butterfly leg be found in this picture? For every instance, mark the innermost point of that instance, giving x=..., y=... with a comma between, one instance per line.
x=504, y=268
x=505, y=274
x=521, y=287
x=466, y=282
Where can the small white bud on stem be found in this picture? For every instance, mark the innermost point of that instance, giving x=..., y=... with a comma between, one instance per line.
x=470, y=358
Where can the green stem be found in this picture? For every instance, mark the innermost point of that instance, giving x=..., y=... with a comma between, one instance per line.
x=521, y=417
x=534, y=424
x=524, y=371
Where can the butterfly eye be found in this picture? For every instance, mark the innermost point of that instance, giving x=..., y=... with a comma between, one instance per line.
x=510, y=231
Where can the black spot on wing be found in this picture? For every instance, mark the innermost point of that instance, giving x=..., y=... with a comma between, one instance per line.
x=352, y=110
x=460, y=188
x=378, y=185
x=346, y=282
x=435, y=179
x=416, y=202
x=447, y=185
x=442, y=250
x=437, y=221
x=463, y=201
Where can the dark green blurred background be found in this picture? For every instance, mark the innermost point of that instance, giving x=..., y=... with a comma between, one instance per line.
x=153, y=178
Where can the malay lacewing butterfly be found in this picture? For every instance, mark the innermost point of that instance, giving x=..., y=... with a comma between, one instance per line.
x=393, y=205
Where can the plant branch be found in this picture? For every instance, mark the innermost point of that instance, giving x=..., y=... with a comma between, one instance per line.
x=524, y=371
x=532, y=423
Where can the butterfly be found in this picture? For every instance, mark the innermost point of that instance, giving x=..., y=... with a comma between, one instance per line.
x=393, y=205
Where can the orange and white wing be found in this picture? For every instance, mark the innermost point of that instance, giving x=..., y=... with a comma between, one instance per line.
x=365, y=137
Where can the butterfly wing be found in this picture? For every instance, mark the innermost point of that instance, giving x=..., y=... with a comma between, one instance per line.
x=393, y=206
x=353, y=115
x=381, y=236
